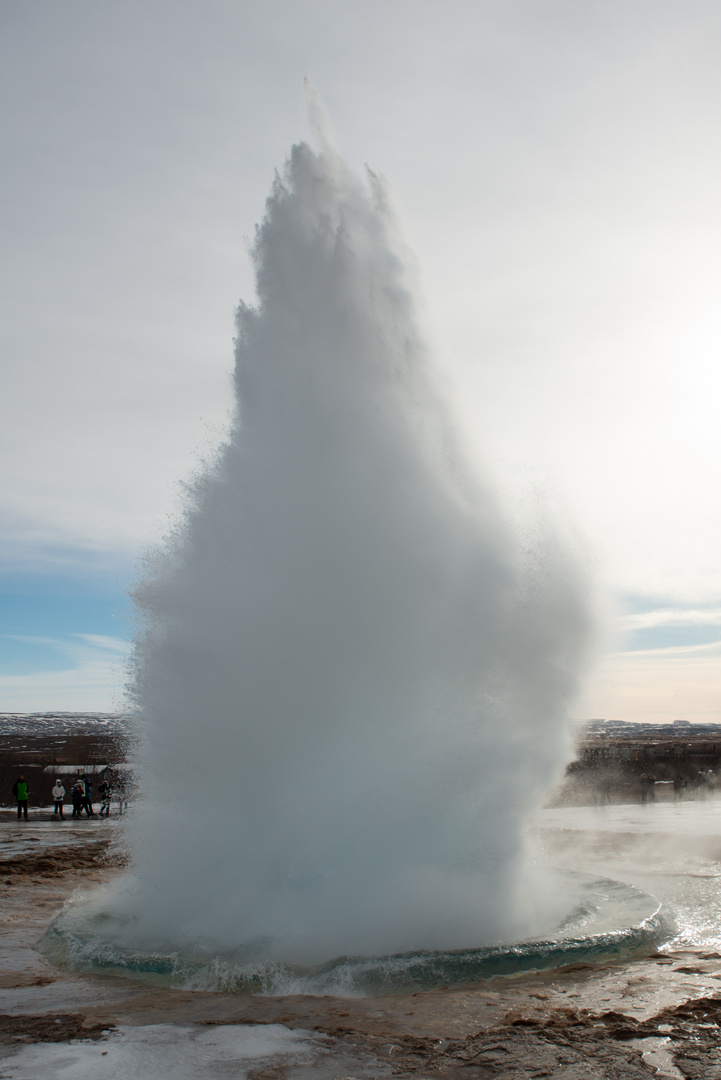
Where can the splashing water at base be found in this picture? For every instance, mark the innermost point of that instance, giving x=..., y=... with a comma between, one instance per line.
x=608, y=921
x=353, y=681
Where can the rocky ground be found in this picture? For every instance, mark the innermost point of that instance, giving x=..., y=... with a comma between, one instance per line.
x=657, y=1016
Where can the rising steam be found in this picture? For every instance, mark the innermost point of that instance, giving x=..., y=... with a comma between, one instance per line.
x=352, y=684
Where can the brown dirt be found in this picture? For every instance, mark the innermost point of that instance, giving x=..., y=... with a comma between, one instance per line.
x=54, y=1027
x=59, y=861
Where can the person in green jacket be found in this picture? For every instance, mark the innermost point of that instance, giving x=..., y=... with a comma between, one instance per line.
x=20, y=794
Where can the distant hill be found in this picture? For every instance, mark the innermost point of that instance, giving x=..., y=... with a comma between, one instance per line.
x=620, y=729
x=62, y=723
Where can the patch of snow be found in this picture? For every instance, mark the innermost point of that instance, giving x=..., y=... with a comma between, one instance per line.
x=162, y=1052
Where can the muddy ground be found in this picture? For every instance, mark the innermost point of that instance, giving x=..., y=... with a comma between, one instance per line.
x=656, y=1016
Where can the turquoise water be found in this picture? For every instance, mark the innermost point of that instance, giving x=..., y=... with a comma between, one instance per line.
x=610, y=921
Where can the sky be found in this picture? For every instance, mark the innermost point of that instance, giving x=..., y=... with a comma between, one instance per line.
x=555, y=167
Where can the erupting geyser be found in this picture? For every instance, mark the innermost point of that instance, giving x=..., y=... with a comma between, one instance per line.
x=352, y=682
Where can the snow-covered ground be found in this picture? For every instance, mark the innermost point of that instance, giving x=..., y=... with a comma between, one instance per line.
x=190, y=1052
x=160, y=1051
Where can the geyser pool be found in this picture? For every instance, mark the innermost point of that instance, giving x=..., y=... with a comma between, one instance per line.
x=608, y=921
x=353, y=679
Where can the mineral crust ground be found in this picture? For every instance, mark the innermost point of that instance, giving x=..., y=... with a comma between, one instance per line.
x=654, y=1016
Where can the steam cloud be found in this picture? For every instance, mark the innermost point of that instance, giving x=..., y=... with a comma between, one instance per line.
x=352, y=683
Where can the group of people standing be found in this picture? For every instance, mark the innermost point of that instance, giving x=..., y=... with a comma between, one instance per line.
x=699, y=784
x=81, y=797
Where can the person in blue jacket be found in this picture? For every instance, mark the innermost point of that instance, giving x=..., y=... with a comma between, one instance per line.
x=88, y=800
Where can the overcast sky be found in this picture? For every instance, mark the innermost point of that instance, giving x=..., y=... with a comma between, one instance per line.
x=556, y=167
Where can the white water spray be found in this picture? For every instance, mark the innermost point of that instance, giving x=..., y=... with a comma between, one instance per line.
x=352, y=685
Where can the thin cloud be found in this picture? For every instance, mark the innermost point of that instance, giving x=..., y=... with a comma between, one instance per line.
x=672, y=617
x=92, y=679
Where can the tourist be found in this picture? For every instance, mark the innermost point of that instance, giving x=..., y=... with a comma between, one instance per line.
x=77, y=794
x=88, y=800
x=122, y=786
x=648, y=787
x=20, y=794
x=105, y=793
x=605, y=790
x=58, y=798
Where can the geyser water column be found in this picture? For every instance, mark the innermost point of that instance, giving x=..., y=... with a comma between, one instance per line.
x=352, y=682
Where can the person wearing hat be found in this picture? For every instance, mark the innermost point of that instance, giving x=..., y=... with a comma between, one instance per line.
x=58, y=798
x=77, y=794
x=20, y=794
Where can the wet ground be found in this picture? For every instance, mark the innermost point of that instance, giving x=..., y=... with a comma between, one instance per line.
x=659, y=1015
